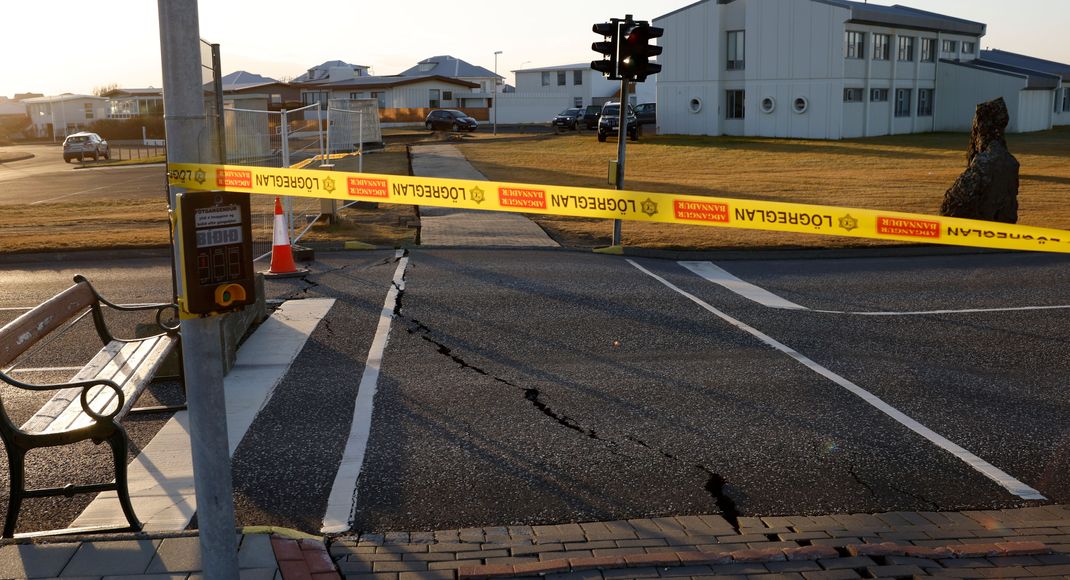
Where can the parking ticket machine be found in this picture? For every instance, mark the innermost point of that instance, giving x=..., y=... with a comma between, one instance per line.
x=217, y=252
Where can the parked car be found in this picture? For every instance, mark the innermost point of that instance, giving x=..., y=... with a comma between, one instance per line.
x=647, y=113
x=568, y=119
x=81, y=145
x=609, y=122
x=591, y=115
x=450, y=120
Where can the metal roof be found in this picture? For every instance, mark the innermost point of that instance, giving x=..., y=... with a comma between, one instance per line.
x=322, y=71
x=63, y=97
x=388, y=81
x=447, y=66
x=582, y=65
x=1034, y=80
x=895, y=16
x=1027, y=62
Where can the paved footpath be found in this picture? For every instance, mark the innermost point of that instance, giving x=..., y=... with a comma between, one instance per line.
x=1022, y=543
x=458, y=227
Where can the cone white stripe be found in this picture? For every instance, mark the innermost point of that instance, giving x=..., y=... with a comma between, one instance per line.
x=280, y=237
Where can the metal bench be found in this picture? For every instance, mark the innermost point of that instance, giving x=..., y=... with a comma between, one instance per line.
x=93, y=403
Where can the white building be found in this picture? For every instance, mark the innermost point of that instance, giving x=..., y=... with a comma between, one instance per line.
x=64, y=114
x=544, y=92
x=1038, y=67
x=131, y=103
x=827, y=69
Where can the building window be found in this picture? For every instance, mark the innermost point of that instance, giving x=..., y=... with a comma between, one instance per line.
x=856, y=45
x=577, y=77
x=356, y=95
x=545, y=78
x=902, y=102
x=1066, y=100
x=734, y=108
x=968, y=48
x=88, y=111
x=906, y=49
x=768, y=105
x=878, y=96
x=925, y=102
x=560, y=78
x=313, y=97
x=434, y=98
x=577, y=101
x=950, y=47
x=447, y=95
x=800, y=105
x=881, y=48
x=928, y=50
x=380, y=96
x=852, y=95
x=736, y=49
x=694, y=105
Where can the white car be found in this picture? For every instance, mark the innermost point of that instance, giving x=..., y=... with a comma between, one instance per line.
x=81, y=145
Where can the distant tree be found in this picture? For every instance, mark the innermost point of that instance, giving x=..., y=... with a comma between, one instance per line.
x=103, y=89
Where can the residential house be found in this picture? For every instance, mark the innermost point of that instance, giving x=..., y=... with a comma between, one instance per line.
x=543, y=92
x=12, y=107
x=131, y=103
x=824, y=69
x=276, y=95
x=402, y=100
x=332, y=70
x=452, y=67
x=61, y=115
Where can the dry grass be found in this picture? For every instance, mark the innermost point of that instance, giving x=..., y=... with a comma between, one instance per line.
x=903, y=173
x=143, y=223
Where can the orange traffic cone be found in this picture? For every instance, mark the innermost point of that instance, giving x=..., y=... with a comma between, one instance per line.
x=282, y=256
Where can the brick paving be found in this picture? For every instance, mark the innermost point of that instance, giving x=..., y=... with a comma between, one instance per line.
x=1027, y=543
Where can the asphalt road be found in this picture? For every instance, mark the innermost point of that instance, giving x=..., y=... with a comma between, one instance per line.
x=523, y=387
x=47, y=179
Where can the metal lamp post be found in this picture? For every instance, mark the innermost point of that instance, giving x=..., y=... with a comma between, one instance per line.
x=495, y=102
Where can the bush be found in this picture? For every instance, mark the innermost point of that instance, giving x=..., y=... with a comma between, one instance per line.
x=13, y=127
x=128, y=128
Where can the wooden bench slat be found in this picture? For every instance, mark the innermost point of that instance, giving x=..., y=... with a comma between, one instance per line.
x=23, y=332
x=130, y=365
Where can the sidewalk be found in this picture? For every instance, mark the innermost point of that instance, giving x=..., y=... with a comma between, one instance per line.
x=163, y=557
x=1020, y=543
x=459, y=227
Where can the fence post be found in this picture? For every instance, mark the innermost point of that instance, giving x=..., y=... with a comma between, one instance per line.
x=284, y=127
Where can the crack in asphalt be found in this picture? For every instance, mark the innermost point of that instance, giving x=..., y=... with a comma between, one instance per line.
x=715, y=484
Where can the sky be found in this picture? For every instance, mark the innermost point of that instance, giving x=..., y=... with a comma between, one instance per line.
x=74, y=46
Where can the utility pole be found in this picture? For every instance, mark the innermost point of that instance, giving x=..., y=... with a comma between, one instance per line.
x=185, y=123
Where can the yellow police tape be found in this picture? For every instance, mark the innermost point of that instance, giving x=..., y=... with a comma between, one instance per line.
x=613, y=204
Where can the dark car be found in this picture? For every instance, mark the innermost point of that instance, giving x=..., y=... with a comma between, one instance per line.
x=647, y=113
x=568, y=119
x=591, y=115
x=450, y=120
x=608, y=123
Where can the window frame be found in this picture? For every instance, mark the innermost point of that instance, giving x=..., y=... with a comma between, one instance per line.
x=906, y=44
x=562, y=78
x=928, y=50
x=1066, y=100
x=737, y=49
x=882, y=49
x=735, y=108
x=881, y=94
x=848, y=92
x=545, y=78
x=926, y=102
x=949, y=46
x=972, y=49
x=904, y=109
x=577, y=78
x=855, y=45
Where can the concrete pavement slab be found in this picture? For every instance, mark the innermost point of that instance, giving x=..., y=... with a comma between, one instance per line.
x=112, y=558
x=34, y=561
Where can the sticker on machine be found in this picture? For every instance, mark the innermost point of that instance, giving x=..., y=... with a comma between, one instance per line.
x=223, y=215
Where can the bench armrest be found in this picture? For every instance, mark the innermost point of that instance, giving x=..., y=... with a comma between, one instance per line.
x=167, y=327
x=84, y=385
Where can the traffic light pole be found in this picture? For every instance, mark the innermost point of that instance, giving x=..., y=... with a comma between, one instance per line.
x=622, y=135
x=202, y=359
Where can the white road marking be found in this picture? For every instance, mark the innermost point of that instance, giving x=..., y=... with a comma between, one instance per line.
x=161, y=476
x=988, y=470
x=343, y=497
x=717, y=275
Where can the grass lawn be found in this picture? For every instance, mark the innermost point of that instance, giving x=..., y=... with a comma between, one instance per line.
x=907, y=173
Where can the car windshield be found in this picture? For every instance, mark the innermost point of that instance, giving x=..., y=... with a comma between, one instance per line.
x=569, y=112
x=613, y=110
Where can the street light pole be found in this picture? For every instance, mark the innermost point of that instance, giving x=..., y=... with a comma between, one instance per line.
x=495, y=101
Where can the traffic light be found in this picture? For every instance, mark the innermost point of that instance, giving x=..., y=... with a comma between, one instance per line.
x=609, y=47
x=636, y=50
